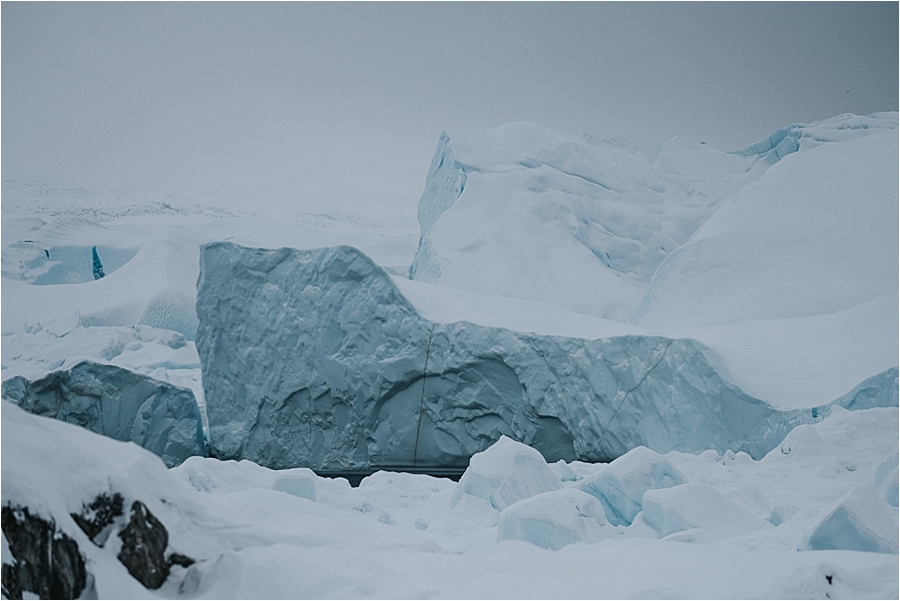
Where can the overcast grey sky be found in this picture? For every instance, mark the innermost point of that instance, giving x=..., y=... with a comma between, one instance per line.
x=299, y=95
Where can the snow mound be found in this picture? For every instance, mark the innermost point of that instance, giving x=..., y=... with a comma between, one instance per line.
x=620, y=486
x=552, y=520
x=154, y=286
x=696, y=505
x=859, y=521
x=118, y=403
x=886, y=480
x=527, y=212
x=808, y=239
x=507, y=472
x=222, y=477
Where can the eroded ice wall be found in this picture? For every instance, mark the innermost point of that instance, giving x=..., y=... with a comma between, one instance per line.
x=314, y=358
x=118, y=403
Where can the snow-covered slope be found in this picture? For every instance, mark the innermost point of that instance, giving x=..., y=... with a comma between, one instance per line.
x=214, y=529
x=583, y=224
x=812, y=237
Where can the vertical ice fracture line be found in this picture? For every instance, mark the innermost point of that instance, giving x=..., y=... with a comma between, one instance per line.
x=422, y=401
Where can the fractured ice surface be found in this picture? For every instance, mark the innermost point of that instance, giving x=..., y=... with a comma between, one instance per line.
x=859, y=521
x=315, y=358
x=118, y=403
x=554, y=519
x=505, y=474
x=622, y=484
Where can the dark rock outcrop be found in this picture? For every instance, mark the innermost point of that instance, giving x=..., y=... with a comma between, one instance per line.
x=118, y=403
x=47, y=561
x=144, y=542
x=97, y=518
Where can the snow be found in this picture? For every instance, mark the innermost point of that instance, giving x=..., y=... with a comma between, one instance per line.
x=622, y=484
x=858, y=521
x=765, y=285
x=506, y=473
x=697, y=506
x=251, y=539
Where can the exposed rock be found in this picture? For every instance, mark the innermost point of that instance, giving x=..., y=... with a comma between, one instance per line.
x=144, y=542
x=97, y=518
x=118, y=403
x=47, y=561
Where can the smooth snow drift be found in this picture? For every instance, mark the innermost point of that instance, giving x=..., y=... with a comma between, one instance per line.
x=583, y=224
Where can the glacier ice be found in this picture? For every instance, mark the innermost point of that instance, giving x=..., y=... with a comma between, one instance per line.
x=118, y=403
x=506, y=473
x=554, y=519
x=886, y=481
x=314, y=358
x=620, y=486
x=696, y=505
x=582, y=223
x=858, y=521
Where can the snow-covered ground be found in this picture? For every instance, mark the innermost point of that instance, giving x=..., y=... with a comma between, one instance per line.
x=513, y=527
x=782, y=260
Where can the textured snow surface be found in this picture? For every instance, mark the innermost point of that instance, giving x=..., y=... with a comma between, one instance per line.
x=316, y=359
x=255, y=532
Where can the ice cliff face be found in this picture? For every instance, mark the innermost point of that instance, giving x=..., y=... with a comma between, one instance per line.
x=118, y=403
x=314, y=358
x=579, y=223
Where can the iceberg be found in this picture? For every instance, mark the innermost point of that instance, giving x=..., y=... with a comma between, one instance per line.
x=584, y=223
x=697, y=506
x=858, y=521
x=506, y=473
x=620, y=486
x=118, y=403
x=552, y=520
x=798, y=243
x=314, y=358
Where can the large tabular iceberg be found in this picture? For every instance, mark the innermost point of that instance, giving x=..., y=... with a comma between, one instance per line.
x=315, y=358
